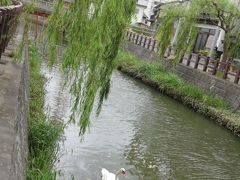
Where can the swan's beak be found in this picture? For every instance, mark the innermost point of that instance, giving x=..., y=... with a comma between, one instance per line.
x=123, y=173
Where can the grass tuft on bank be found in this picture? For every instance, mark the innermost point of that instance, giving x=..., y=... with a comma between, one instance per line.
x=170, y=84
x=43, y=134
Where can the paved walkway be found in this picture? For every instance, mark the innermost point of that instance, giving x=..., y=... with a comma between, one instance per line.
x=10, y=75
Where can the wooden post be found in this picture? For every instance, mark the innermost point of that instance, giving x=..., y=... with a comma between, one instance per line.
x=216, y=64
x=3, y=27
x=189, y=59
x=139, y=40
x=206, y=64
x=147, y=43
x=152, y=44
x=237, y=76
x=135, y=38
x=8, y=22
x=129, y=35
x=181, y=59
x=126, y=35
x=197, y=61
x=143, y=41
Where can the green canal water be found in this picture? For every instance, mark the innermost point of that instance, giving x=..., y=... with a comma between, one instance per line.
x=152, y=136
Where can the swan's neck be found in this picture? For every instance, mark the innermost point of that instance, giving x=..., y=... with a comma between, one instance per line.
x=117, y=174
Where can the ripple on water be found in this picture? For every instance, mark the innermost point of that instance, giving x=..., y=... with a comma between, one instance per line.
x=152, y=136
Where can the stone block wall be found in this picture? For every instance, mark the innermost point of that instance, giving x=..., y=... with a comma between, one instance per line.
x=139, y=51
x=222, y=88
x=14, y=94
x=20, y=148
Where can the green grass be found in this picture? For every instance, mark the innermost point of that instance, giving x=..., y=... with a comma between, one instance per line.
x=168, y=81
x=43, y=134
x=172, y=85
x=5, y=2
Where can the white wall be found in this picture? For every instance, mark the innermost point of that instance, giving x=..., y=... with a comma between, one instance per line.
x=143, y=6
x=138, y=15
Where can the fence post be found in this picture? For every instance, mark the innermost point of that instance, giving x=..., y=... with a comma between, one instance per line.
x=147, y=43
x=126, y=35
x=215, y=67
x=3, y=27
x=197, y=61
x=227, y=68
x=151, y=44
x=135, y=38
x=143, y=41
x=181, y=59
x=237, y=76
x=139, y=40
x=189, y=59
x=206, y=64
x=129, y=35
x=8, y=23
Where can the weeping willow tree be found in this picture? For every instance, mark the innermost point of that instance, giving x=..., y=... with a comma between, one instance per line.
x=4, y=2
x=187, y=15
x=92, y=30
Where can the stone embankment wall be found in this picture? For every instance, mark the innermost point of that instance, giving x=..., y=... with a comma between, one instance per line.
x=14, y=92
x=139, y=51
x=20, y=148
x=224, y=89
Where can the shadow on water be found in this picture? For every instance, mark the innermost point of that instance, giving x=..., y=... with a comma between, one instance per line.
x=149, y=134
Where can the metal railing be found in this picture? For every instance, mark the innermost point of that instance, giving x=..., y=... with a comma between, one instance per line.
x=8, y=23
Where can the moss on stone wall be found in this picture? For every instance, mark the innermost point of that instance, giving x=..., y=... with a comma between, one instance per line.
x=170, y=84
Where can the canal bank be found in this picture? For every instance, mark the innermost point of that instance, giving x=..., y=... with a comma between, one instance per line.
x=153, y=74
x=43, y=132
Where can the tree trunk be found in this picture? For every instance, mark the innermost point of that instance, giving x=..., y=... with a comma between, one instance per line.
x=225, y=55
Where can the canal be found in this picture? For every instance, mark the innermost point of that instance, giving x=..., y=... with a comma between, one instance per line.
x=152, y=136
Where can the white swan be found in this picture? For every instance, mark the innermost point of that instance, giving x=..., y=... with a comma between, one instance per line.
x=106, y=175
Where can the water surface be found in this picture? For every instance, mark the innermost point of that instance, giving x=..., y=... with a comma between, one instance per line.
x=150, y=135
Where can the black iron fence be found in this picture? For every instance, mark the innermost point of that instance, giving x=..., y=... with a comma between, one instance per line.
x=8, y=23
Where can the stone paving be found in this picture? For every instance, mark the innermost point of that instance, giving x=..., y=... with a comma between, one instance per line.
x=10, y=77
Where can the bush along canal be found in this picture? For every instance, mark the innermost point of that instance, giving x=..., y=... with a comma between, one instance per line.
x=43, y=134
x=155, y=75
x=149, y=134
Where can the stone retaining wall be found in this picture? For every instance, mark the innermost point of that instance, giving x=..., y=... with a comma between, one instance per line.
x=20, y=148
x=139, y=51
x=14, y=92
x=222, y=88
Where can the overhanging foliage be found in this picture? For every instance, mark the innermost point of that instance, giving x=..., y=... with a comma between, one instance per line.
x=93, y=30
